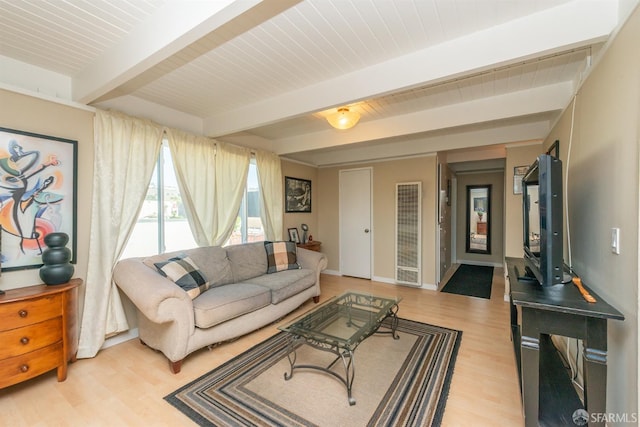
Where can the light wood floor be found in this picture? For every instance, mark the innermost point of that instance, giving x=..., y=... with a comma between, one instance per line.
x=125, y=384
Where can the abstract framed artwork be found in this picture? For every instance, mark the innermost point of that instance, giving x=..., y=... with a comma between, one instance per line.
x=38, y=185
x=297, y=194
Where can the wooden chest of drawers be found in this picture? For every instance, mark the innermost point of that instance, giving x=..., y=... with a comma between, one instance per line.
x=481, y=228
x=38, y=331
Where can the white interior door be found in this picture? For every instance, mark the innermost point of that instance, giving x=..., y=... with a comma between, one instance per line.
x=356, y=235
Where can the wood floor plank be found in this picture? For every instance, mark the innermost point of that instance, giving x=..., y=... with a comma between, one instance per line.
x=125, y=384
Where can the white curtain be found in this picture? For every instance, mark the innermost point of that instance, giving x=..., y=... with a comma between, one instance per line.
x=125, y=153
x=212, y=177
x=194, y=164
x=271, y=197
x=232, y=167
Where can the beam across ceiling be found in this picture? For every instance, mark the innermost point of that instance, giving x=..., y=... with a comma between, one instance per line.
x=565, y=27
x=522, y=103
x=425, y=144
x=174, y=35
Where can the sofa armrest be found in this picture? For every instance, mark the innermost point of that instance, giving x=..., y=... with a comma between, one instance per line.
x=148, y=289
x=312, y=260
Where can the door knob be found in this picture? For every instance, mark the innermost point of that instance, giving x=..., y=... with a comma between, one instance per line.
x=366, y=230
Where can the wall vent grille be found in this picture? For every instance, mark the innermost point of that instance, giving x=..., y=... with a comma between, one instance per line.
x=408, y=233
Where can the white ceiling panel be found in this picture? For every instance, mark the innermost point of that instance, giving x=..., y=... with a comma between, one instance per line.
x=65, y=36
x=273, y=69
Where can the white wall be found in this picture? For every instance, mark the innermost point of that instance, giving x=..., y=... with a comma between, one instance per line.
x=385, y=176
x=603, y=192
x=517, y=155
x=30, y=114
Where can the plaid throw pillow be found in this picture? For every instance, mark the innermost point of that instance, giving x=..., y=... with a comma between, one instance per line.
x=281, y=256
x=185, y=273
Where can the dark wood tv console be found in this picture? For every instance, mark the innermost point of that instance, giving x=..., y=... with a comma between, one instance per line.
x=548, y=396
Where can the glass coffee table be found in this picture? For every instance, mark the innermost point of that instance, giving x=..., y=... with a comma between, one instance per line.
x=338, y=326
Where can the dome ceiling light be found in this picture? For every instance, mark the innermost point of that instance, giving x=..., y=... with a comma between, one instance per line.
x=343, y=118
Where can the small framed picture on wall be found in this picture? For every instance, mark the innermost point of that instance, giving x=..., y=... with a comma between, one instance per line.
x=518, y=173
x=297, y=194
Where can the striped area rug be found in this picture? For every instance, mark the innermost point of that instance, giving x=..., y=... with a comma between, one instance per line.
x=401, y=382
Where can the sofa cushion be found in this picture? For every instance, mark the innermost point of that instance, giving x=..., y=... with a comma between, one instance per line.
x=247, y=260
x=184, y=273
x=223, y=303
x=212, y=260
x=285, y=283
x=281, y=256
x=214, y=264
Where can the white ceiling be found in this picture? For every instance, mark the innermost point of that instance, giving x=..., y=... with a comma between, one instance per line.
x=426, y=75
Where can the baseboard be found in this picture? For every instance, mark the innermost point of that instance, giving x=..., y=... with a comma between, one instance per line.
x=120, y=338
x=383, y=280
x=486, y=264
x=427, y=286
x=332, y=272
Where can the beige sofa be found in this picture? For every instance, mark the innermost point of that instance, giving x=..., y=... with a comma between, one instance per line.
x=242, y=296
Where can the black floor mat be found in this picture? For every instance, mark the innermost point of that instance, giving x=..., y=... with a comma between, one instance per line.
x=471, y=280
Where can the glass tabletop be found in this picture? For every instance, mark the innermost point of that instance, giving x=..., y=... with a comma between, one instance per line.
x=343, y=321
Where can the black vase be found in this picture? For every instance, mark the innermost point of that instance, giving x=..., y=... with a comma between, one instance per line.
x=56, y=269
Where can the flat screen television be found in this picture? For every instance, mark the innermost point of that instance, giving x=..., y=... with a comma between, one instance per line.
x=542, y=221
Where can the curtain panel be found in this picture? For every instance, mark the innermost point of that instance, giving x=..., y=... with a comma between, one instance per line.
x=194, y=163
x=126, y=151
x=271, y=197
x=232, y=167
x=212, y=177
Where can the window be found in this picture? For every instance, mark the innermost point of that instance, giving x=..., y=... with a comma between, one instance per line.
x=165, y=232
x=248, y=223
x=169, y=231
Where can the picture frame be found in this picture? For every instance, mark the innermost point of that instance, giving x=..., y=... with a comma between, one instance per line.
x=294, y=236
x=518, y=173
x=38, y=195
x=297, y=194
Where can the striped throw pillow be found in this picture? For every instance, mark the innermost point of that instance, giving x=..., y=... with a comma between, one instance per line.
x=281, y=256
x=184, y=273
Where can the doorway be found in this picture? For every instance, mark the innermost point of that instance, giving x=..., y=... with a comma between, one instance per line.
x=356, y=234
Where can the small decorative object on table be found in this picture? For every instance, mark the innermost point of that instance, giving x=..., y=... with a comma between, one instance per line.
x=56, y=269
x=305, y=230
x=293, y=235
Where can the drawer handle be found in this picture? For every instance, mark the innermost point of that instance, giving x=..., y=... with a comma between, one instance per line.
x=23, y=313
x=24, y=368
x=24, y=340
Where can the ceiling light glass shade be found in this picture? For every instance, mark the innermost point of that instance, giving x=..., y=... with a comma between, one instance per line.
x=343, y=119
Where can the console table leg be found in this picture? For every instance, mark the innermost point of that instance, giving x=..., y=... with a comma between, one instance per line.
x=530, y=347
x=595, y=368
x=530, y=379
